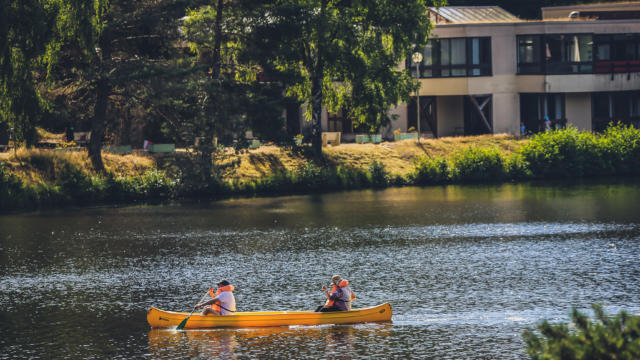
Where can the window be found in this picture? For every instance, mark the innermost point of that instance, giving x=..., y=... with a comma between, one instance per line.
x=456, y=57
x=617, y=53
x=578, y=53
x=535, y=109
x=529, y=54
x=623, y=106
x=569, y=54
x=340, y=122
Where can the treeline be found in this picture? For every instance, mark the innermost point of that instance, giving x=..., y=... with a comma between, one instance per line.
x=557, y=154
x=181, y=70
x=529, y=9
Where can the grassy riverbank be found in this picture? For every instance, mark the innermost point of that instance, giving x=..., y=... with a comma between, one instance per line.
x=45, y=178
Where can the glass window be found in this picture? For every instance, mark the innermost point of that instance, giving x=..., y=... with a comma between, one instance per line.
x=624, y=47
x=635, y=104
x=529, y=54
x=458, y=52
x=528, y=49
x=459, y=57
x=428, y=54
x=444, y=52
x=601, y=106
x=456, y=57
x=554, y=51
x=621, y=106
x=603, y=47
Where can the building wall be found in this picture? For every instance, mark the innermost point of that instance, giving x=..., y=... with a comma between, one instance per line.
x=505, y=85
x=401, y=121
x=506, y=113
x=450, y=114
x=578, y=110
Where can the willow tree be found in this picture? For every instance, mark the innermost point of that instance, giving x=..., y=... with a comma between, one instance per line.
x=345, y=54
x=108, y=51
x=24, y=34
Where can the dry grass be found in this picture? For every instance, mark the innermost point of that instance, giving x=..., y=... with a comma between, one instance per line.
x=50, y=137
x=398, y=158
x=39, y=165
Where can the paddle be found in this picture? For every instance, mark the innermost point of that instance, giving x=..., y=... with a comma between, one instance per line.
x=184, y=322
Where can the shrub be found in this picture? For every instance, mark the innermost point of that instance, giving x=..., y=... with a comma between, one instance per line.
x=606, y=338
x=475, y=164
x=563, y=153
x=621, y=148
x=378, y=174
x=155, y=184
x=429, y=170
x=516, y=167
x=351, y=178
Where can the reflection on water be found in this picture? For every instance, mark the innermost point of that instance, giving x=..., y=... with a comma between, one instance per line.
x=466, y=269
x=331, y=341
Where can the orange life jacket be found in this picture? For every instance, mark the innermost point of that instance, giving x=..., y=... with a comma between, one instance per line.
x=334, y=288
x=216, y=307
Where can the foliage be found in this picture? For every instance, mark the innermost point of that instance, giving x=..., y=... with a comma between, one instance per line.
x=342, y=55
x=225, y=98
x=429, y=171
x=108, y=56
x=571, y=153
x=476, y=164
x=605, y=338
x=379, y=175
x=24, y=34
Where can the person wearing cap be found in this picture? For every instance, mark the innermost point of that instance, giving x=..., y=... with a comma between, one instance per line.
x=222, y=302
x=340, y=296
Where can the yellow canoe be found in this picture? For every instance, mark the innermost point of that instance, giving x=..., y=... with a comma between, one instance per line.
x=163, y=319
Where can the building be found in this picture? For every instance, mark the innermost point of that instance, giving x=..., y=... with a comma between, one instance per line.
x=486, y=71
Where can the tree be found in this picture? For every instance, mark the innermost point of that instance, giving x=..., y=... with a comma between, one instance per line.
x=24, y=29
x=604, y=338
x=108, y=52
x=344, y=54
x=228, y=96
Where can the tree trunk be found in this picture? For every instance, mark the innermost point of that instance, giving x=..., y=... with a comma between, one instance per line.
x=98, y=125
x=103, y=90
x=316, y=116
x=207, y=149
x=317, y=78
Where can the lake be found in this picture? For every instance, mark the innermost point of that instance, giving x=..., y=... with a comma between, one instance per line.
x=465, y=268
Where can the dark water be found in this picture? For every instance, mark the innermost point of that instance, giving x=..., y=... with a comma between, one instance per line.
x=465, y=268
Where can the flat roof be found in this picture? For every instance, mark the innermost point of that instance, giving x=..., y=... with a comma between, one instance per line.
x=613, y=4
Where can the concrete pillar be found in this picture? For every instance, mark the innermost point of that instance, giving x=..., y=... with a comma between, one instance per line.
x=506, y=113
x=578, y=110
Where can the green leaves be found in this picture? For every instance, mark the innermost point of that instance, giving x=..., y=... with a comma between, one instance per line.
x=352, y=48
x=24, y=35
x=604, y=337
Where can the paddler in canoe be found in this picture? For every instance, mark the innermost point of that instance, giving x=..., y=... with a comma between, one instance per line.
x=340, y=296
x=222, y=301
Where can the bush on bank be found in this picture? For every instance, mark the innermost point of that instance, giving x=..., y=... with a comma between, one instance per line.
x=566, y=153
x=605, y=338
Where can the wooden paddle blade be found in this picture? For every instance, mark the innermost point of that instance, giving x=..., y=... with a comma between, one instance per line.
x=183, y=323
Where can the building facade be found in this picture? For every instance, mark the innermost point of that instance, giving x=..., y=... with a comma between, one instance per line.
x=486, y=71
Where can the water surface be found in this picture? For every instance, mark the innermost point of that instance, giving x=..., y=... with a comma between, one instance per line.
x=466, y=269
